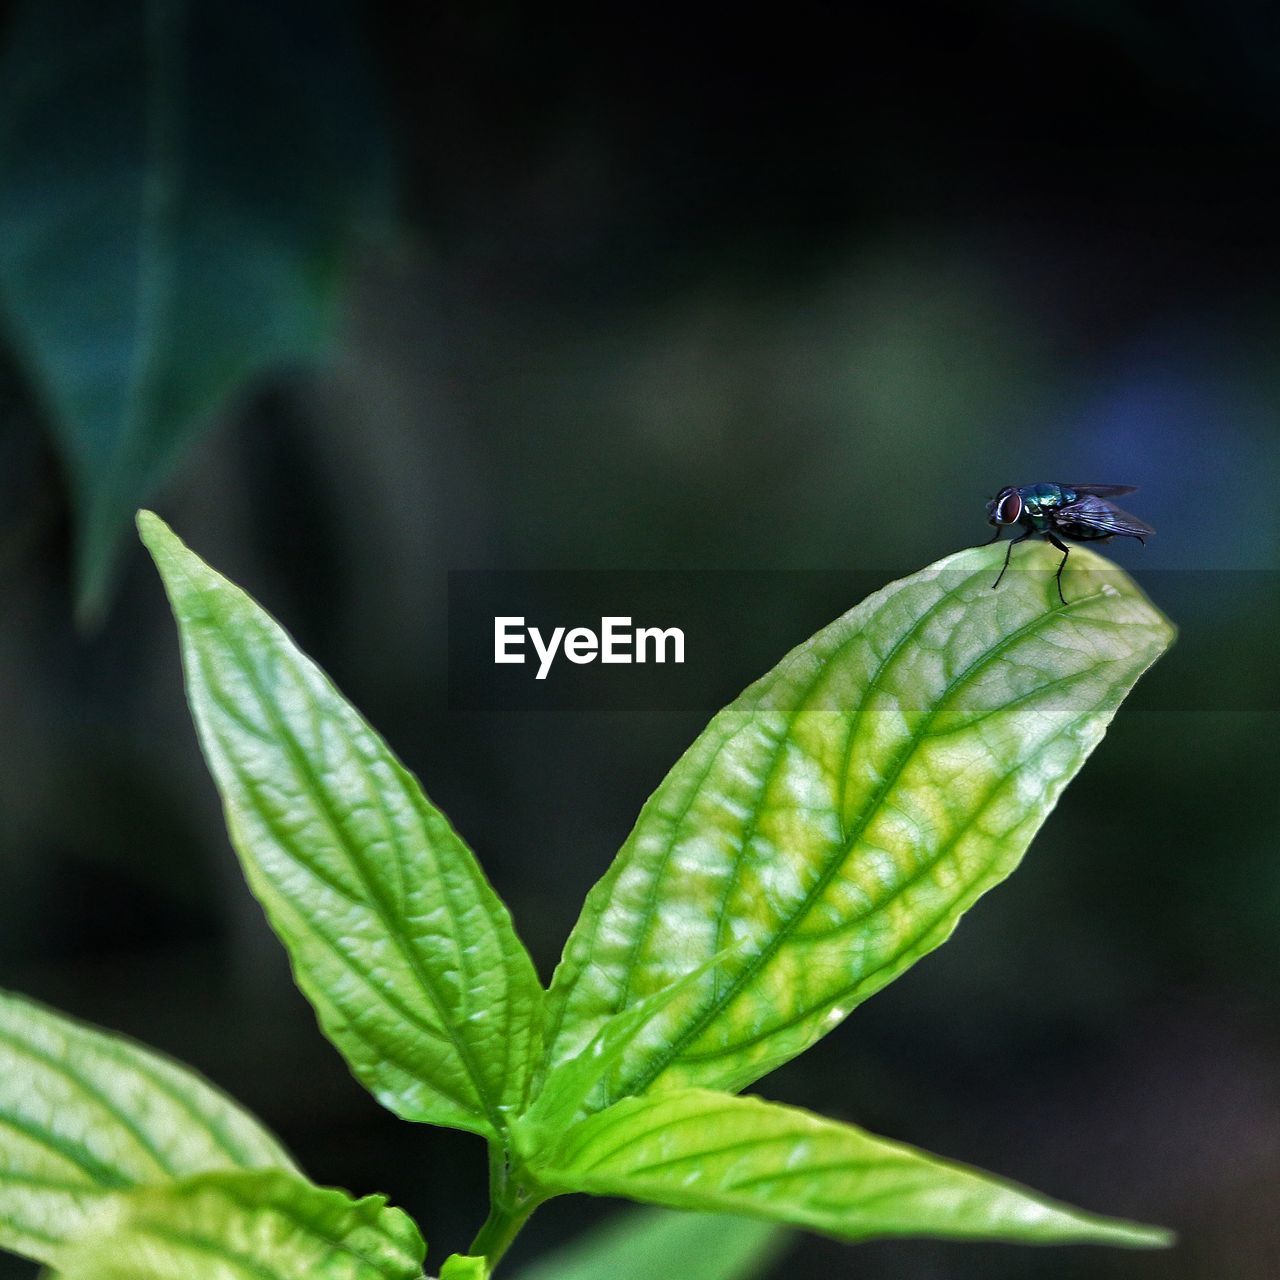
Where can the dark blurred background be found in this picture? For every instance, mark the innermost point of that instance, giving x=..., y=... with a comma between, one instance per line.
x=681, y=288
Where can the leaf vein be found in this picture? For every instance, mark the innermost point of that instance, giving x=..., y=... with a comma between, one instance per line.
x=660, y=1061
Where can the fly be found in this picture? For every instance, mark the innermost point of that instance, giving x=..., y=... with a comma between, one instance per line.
x=1077, y=512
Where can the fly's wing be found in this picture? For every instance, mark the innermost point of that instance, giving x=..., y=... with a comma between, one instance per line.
x=1093, y=517
x=1103, y=490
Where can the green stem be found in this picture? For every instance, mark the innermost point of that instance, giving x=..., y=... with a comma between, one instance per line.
x=510, y=1205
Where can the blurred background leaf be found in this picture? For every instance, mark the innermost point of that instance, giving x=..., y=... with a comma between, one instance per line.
x=656, y=1244
x=180, y=187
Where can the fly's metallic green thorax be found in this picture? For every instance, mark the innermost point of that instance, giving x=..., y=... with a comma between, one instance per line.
x=1079, y=512
x=1040, y=499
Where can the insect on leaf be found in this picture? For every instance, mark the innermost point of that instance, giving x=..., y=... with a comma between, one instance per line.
x=833, y=824
x=395, y=935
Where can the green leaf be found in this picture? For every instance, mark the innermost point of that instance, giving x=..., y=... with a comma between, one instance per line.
x=834, y=822
x=464, y=1267
x=656, y=1244
x=180, y=188
x=248, y=1226
x=84, y=1114
x=396, y=937
x=579, y=1085
x=697, y=1149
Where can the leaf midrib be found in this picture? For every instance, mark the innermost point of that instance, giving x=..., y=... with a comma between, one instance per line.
x=157, y=216
x=652, y=1069
x=886, y=663
x=390, y=999
x=299, y=759
x=890, y=962
x=694, y=790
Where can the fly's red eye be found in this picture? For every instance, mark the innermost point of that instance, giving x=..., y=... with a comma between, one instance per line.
x=1008, y=507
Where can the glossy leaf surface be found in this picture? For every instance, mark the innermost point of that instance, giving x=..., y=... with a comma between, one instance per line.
x=657, y=1244
x=698, y=1149
x=834, y=823
x=180, y=188
x=84, y=1114
x=396, y=937
x=256, y=1226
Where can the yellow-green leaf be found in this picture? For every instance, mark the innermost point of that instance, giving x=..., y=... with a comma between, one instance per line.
x=464, y=1267
x=698, y=1149
x=249, y=1226
x=579, y=1085
x=84, y=1114
x=834, y=823
x=396, y=937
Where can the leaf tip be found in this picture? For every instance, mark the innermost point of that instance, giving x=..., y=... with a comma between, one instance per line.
x=1089, y=1228
x=168, y=551
x=151, y=529
x=90, y=604
x=184, y=575
x=1140, y=1236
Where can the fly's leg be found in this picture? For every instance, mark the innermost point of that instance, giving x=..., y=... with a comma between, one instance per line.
x=995, y=537
x=1008, y=552
x=1066, y=551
